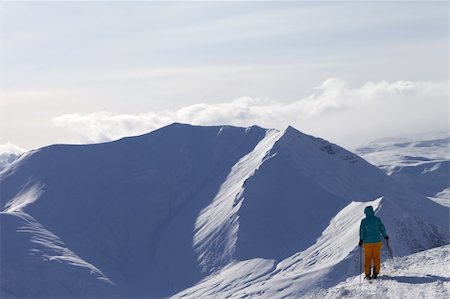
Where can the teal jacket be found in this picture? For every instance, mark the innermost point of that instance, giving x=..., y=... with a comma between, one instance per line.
x=371, y=228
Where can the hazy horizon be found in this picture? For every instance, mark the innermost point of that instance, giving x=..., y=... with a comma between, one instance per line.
x=78, y=72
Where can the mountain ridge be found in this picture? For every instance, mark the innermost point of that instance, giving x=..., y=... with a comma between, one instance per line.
x=152, y=208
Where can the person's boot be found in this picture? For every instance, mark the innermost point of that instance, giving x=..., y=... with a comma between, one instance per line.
x=374, y=273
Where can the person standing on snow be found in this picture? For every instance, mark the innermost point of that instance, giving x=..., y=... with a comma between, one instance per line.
x=370, y=232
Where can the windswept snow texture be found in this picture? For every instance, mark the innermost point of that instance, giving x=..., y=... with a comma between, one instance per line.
x=190, y=211
x=35, y=263
x=422, y=165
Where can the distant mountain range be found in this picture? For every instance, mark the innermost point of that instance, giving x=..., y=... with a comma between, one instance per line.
x=422, y=165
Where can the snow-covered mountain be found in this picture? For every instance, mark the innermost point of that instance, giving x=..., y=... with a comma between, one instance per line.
x=8, y=154
x=422, y=164
x=6, y=159
x=189, y=211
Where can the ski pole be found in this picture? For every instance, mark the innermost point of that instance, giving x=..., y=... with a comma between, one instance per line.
x=390, y=252
x=360, y=264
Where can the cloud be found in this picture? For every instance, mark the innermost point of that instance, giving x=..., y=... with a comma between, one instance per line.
x=335, y=111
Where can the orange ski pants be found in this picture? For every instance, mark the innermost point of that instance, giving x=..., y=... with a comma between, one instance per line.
x=372, y=253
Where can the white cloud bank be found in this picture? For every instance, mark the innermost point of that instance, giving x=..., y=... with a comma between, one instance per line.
x=349, y=116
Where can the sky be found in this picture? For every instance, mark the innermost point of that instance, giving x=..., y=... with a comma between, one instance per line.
x=349, y=72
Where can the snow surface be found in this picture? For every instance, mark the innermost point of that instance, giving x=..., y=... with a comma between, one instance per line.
x=8, y=154
x=420, y=275
x=295, y=276
x=442, y=198
x=190, y=211
x=36, y=263
x=6, y=159
x=422, y=164
x=217, y=226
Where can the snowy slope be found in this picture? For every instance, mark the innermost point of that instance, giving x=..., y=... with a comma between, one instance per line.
x=6, y=159
x=421, y=275
x=297, y=275
x=8, y=154
x=37, y=264
x=197, y=211
x=422, y=164
x=331, y=259
x=114, y=204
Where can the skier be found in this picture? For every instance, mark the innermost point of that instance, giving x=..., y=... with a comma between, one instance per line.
x=370, y=232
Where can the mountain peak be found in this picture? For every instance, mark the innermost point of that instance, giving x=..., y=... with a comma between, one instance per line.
x=293, y=136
